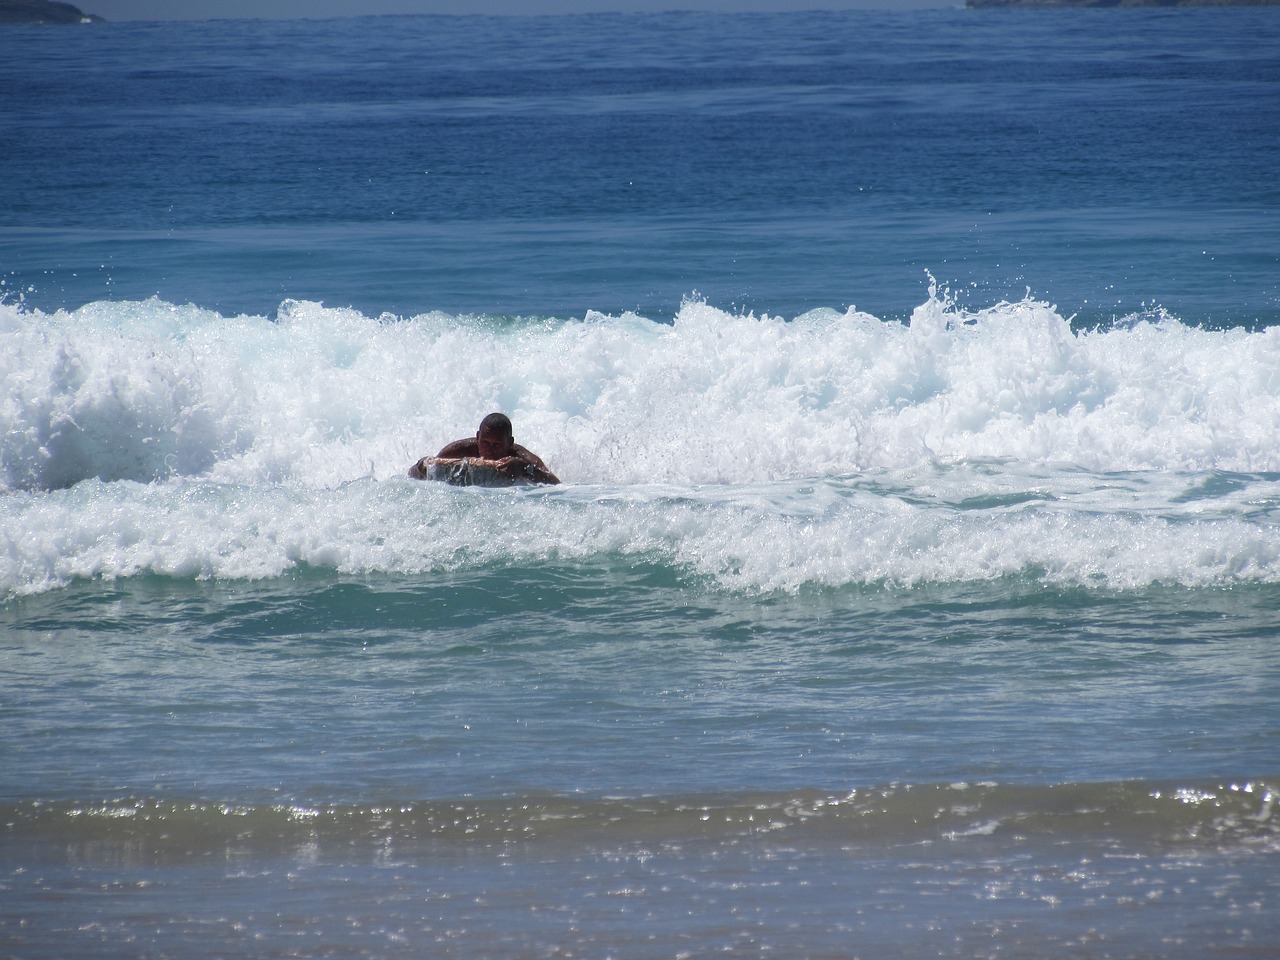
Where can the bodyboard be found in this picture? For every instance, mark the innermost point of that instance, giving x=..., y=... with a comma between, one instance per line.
x=468, y=472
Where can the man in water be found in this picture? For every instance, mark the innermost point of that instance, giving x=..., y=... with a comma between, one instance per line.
x=494, y=441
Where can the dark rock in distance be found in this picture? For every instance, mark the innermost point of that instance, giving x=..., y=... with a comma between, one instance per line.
x=43, y=11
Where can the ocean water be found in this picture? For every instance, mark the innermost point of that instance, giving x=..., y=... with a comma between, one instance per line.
x=913, y=589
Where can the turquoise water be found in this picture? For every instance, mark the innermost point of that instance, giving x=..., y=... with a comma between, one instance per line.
x=915, y=382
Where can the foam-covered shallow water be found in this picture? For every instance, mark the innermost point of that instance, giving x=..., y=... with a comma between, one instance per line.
x=762, y=453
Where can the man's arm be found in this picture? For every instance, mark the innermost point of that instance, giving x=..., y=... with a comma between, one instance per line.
x=535, y=469
x=454, y=451
x=538, y=473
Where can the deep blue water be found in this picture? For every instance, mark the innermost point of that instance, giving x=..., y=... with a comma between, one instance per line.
x=912, y=591
x=621, y=162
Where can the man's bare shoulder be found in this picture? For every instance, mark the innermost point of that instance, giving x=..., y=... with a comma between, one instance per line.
x=468, y=447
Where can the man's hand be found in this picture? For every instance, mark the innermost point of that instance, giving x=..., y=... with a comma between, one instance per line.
x=511, y=467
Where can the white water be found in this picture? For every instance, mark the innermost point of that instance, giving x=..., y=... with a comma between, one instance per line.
x=764, y=453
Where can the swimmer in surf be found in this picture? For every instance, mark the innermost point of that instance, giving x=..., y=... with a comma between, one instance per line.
x=494, y=441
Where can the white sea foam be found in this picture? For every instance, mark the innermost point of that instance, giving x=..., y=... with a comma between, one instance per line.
x=763, y=453
x=776, y=536
x=321, y=396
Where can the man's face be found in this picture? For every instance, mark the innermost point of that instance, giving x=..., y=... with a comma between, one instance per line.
x=494, y=445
